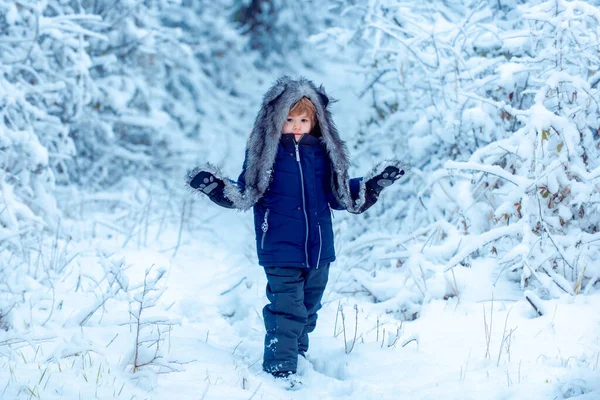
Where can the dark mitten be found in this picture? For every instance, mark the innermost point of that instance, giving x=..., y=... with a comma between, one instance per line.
x=206, y=182
x=211, y=186
x=376, y=184
x=389, y=175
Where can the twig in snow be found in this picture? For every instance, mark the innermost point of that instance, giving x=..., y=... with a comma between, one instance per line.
x=146, y=300
x=411, y=340
x=503, y=336
x=455, y=287
x=238, y=345
x=51, y=306
x=180, y=228
x=335, y=334
x=233, y=288
x=346, y=349
x=205, y=391
x=535, y=307
x=552, y=240
x=255, y=391
x=398, y=329
x=555, y=282
x=112, y=340
x=464, y=374
x=488, y=328
x=374, y=82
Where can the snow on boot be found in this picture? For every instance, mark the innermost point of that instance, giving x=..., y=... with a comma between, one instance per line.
x=288, y=380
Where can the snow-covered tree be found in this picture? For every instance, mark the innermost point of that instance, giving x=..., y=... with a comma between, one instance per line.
x=106, y=96
x=94, y=91
x=278, y=29
x=540, y=180
x=495, y=106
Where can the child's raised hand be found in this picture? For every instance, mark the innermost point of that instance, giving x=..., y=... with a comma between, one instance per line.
x=377, y=183
x=206, y=182
x=211, y=186
x=389, y=175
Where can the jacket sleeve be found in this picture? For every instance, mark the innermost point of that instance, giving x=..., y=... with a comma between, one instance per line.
x=228, y=193
x=233, y=192
x=331, y=198
x=358, y=186
x=333, y=203
x=370, y=195
x=354, y=184
x=241, y=181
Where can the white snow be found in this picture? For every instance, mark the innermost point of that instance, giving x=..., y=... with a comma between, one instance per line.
x=144, y=291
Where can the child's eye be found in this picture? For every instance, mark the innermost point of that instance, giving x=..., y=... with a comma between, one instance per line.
x=289, y=120
x=304, y=120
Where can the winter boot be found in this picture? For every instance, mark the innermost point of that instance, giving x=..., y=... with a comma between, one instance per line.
x=289, y=380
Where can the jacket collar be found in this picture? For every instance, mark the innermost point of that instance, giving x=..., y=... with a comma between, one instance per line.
x=306, y=140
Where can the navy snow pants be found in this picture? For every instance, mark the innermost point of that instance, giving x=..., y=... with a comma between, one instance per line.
x=295, y=295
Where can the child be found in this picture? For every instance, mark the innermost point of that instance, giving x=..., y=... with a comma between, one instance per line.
x=295, y=172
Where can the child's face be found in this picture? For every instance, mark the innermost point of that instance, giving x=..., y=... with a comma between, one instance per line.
x=297, y=124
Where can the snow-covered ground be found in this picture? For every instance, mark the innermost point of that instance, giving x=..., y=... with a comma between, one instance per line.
x=204, y=313
x=488, y=344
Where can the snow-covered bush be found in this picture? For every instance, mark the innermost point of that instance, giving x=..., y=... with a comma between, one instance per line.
x=277, y=29
x=97, y=90
x=106, y=97
x=540, y=180
x=148, y=346
x=496, y=107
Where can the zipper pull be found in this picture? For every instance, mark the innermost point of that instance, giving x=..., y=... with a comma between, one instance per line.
x=297, y=153
x=265, y=224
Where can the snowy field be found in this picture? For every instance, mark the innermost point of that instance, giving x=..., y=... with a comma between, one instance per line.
x=486, y=344
x=474, y=277
x=200, y=331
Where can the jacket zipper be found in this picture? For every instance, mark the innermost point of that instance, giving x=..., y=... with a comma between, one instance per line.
x=303, y=203
x=265, y=228
x=320, y=245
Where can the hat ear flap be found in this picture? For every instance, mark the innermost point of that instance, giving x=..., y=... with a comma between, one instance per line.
x=322, y=96
x=277, y=89
x=273, y=95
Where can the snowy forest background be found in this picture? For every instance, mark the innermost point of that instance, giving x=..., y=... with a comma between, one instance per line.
x=475, y=277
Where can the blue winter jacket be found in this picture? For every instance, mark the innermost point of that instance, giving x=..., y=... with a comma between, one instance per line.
x=292, y=220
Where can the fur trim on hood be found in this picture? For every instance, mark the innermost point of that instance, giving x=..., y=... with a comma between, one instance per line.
x=262, y=144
